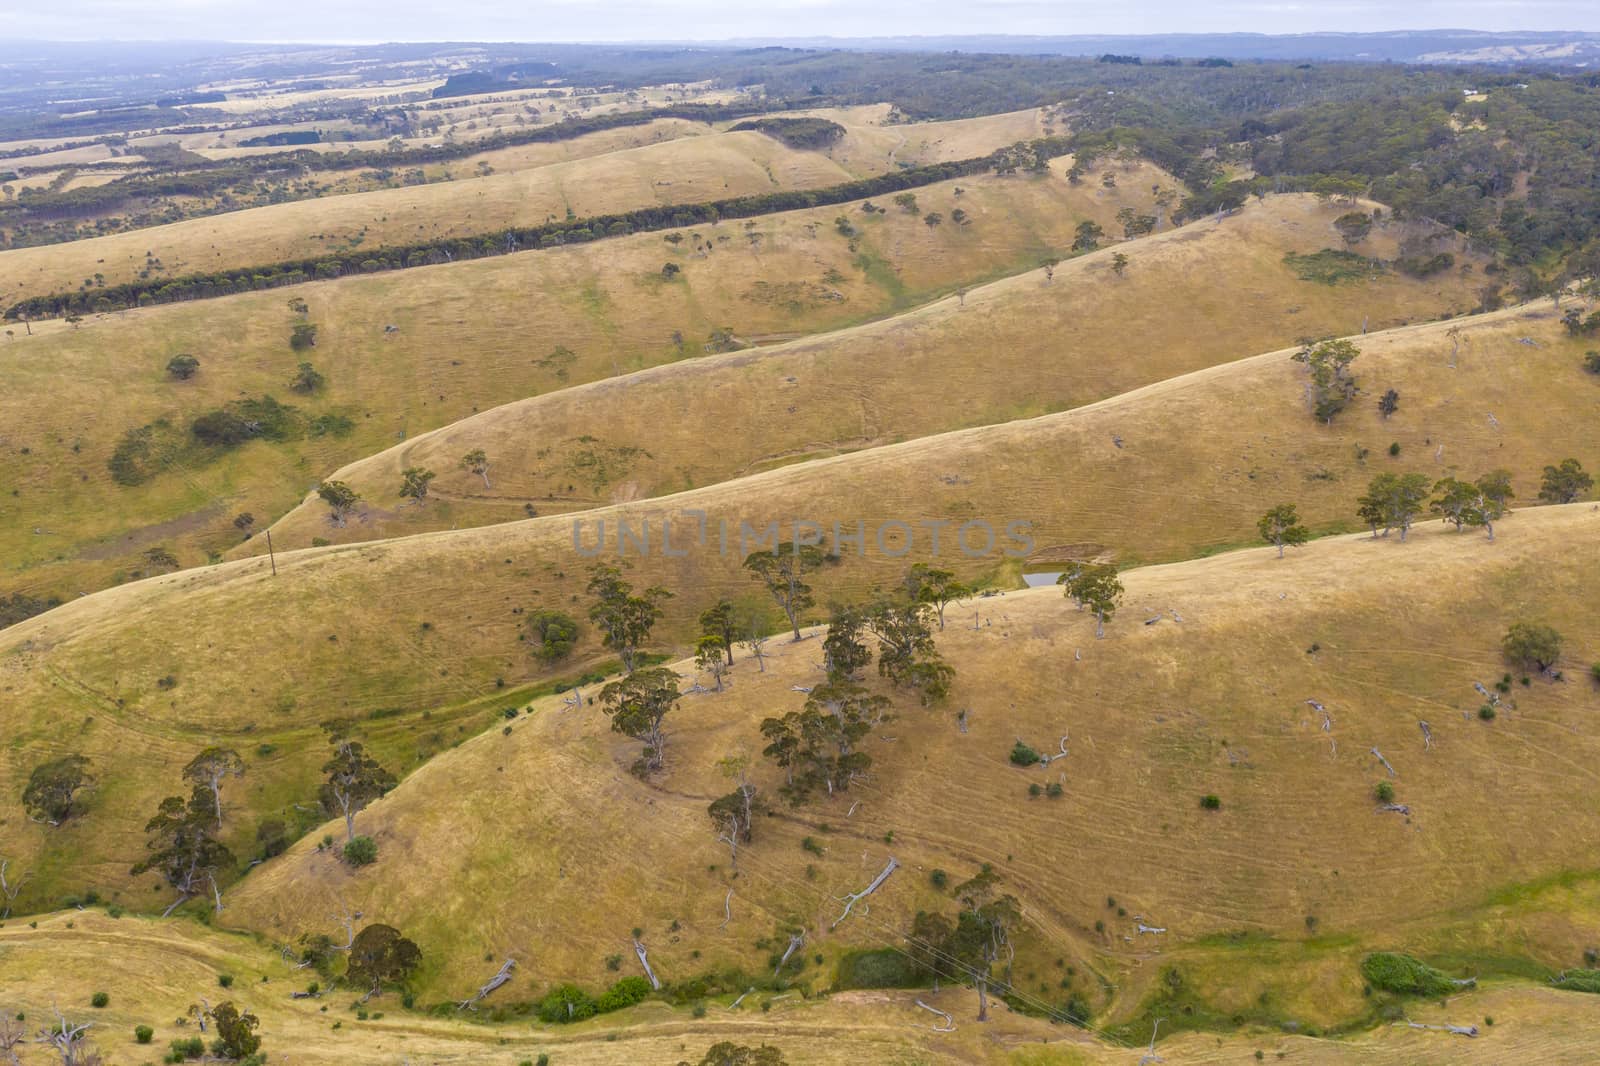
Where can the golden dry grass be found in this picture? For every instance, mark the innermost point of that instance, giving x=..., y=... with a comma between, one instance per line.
x=1019, y=347
x=540, y=842
x=471, y=336
x=677, y=171
x=340, y=631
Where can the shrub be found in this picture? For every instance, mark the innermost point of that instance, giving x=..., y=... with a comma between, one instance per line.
x=1383, y=792
x=1022, y=755
x=938, y=878
x=188, y=1048
x=625, y=993
x=1394, y=448
x=1487, y=712
x=143, y=1034
x=225, y=980
x=1210, y=802
x=361, y=851
x=100, y=999
x=183, y=367
x=1404, y=975
x=882, y=968
x=566, y=1003
x=1578, y=981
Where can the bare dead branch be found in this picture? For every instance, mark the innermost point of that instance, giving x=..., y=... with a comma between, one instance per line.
x=638, y=949
x=855, y=897
x=1379, y=756
x=949, y=1025
x=501, y=977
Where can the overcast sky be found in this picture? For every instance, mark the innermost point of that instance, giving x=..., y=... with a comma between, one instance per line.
x=704, y=20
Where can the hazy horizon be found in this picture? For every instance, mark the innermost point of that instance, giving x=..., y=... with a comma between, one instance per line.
x=705, y=21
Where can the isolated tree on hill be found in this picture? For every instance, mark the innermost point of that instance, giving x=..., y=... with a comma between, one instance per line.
x=1096, y=588
x=236, y=1030
x=711, y=655
x=477, y=462
x=183, y=367
x=380, y=956
x=355, y=778
x=303, y=336
x=554, y=633
x=983, y=931
x=754, y=636
x=907, y=654
x=209, y=768
x=932, y=219
x=1049, y=265
x=1332, y=386
x=719, y=621
x=1119, y=264
x=184, y=848
x=783, y=571
x=636, y=705
x=1389, y=403
x=1564, y=483
x=1281, y=527
x=1532, y=644
x=1087, y=237
x=844, y=653
x=1393, y=501
x=624, y=620
x=936, y=588
x=54, y=790
x=307, y=379
x=907, y=202
x=733, y=815
x=414, y=483
x=341, y=499
x=727, y=1053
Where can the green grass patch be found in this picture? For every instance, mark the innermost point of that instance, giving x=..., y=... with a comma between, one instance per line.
x=882, y=968
x=1332, y=266
x=1404, y=975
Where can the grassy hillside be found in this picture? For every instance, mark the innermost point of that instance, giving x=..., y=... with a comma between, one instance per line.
x=612, y=177
x=560, y=317
x=166, y=966
x=1493, y=855
x=258, y=661
x=1022, y=346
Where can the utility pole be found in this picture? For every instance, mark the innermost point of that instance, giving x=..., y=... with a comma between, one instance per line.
x=270, y=556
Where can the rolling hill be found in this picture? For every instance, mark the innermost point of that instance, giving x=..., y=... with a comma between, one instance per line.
x=604, y=173
x=561, y=317
x=1022, y=346
x=1381, y=634
x=232, y=651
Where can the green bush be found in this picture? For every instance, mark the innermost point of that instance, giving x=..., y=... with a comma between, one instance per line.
x=361, y=851
x=566, y=1003
x=225, y=980
x=188, y=1048
x=1210, y=802
x=1578, y=981
x=100, y=999
x=882, y=968
x=143, y=1034
x=625, y=993
x=1405, y=975
x=1383, y=792
x=1022, y=755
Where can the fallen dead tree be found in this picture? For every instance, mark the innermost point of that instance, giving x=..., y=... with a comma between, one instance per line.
x=949, y=1025
x=638, y=949
x=501, y=977
x=856, y=897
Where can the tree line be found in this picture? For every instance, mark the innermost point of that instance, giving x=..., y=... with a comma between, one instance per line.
x=515, y=239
